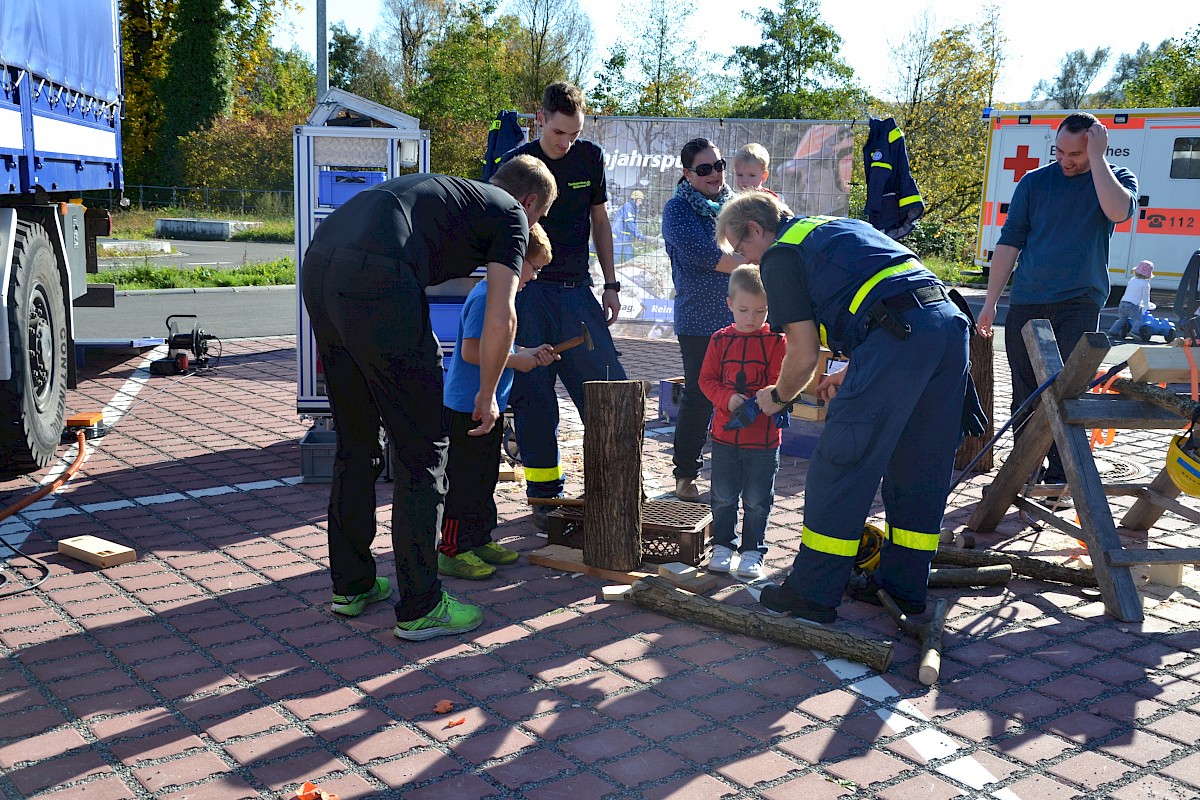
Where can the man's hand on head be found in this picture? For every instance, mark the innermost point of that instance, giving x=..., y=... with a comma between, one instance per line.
x=1097, y=142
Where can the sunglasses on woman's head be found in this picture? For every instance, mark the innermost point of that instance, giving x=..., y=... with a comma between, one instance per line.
x=704, y=170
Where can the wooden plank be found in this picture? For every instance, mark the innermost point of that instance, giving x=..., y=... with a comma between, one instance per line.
x=1130, y=556
x=1168, y=504
x=1097, y=529
x=1146, y=511
x=982, y=373
x=568, y=559
x=1180, y=405
x=1113, y=411
x=1045, y=515
x=1160, y=365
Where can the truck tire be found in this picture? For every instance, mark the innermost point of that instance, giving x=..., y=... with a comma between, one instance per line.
x=33, y=401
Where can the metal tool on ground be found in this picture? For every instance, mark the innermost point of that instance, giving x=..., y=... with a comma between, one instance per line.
x=188, y=349
x=584, y=338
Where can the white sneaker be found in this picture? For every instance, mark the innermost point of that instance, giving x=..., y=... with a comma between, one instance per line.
x=750, y=565
x=721, y=558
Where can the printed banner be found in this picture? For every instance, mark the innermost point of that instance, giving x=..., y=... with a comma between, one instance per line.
x=810, y=170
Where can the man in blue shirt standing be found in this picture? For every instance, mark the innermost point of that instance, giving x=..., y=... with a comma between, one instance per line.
x=551, y=307
x=1059, y=221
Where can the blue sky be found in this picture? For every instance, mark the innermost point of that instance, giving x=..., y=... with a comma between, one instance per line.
x=1039, y=32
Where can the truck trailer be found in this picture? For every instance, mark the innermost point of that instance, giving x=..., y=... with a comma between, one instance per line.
x=1161, y=146
x=60, y=136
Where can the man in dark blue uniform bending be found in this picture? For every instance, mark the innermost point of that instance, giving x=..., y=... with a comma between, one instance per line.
x=894, y=413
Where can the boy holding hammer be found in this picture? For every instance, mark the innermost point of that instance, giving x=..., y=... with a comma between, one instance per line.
x=467, y=549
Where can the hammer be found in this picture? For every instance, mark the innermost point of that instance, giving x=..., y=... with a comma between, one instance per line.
x=584, y=337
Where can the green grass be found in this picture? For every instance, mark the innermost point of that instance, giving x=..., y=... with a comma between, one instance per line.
x=281, y=272
x=138, y=223
x=951, y=272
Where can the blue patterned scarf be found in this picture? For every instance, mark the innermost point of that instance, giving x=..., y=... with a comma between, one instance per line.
x=703, y=206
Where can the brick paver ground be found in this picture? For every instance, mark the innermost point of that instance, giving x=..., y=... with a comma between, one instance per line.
x=212, y=668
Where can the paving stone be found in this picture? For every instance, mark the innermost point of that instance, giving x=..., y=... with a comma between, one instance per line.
x=696, y=787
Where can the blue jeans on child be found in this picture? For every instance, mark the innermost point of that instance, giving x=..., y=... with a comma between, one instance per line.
x=1127, y=314
x=748, y=473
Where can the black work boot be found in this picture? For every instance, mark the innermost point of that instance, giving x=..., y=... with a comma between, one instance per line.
x=785, y=601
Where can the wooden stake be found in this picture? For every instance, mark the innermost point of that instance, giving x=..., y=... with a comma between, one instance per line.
x=658, y=595
x=614, y=428
x=928, y=634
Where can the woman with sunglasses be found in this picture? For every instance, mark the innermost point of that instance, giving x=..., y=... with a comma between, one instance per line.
x=700, y=271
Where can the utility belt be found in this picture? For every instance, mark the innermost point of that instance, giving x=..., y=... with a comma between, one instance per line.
x=888, y=312
x=572, y=284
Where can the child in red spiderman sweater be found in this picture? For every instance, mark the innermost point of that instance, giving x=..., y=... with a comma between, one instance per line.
x=741, y=359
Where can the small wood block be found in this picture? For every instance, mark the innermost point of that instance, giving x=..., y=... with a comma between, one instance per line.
x=946, y=536
x=95, y=550
x=507, y=473
x=1160, y=365
x=1166, y=574
x=87, y=419
x=611, y=594
x=698, y=584
x=568, y=559
x=676, y=571
x=807, y=409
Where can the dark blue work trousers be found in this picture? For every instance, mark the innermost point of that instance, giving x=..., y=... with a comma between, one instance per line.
x=895, y=419
x=1070, y=320
x=695, y=410
x=549, y=313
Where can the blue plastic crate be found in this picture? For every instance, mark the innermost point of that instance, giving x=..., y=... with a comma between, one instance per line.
x=799, y=439
x=443, y=316
x=336, y=186
x=670, y=392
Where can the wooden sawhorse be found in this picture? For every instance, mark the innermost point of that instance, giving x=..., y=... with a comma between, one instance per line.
x=1065, y=411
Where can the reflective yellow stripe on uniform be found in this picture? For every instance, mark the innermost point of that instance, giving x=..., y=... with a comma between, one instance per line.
x=907, y=201
x=881, y=164
x=894, y=134
x=887, y=272
x=802, y=228
x=543, y=474
x=913, y=540
x=795, y=235
x=820, y=543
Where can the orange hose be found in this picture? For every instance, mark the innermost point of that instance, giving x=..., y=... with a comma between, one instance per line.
x=30, y=499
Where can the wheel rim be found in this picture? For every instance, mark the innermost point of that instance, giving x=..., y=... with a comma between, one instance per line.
x=41, y=347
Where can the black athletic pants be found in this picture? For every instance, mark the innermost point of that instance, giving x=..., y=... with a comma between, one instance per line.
x=472, y=471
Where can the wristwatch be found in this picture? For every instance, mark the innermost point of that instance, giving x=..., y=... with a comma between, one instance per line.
x=615, y=286
x=775, y=398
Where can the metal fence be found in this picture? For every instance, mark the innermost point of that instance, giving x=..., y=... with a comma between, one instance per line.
x=276, y=202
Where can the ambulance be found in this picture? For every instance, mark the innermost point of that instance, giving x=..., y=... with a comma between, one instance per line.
x=1162, y=148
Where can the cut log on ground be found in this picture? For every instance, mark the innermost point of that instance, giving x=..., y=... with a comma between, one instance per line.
x=614, y=429
x=994, y=575
x=929, y=634
x=658, y=595
x=569, y=502
x=1021, y=565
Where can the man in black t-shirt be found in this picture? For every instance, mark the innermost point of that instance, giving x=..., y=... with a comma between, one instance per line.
x=551, y=308
x=363, y=279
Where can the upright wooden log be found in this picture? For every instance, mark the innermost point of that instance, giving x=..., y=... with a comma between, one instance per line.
x=614, y=428
x=658, y=595
x=982, y=372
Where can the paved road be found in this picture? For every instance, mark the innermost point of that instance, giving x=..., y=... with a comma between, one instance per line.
x=207, y=254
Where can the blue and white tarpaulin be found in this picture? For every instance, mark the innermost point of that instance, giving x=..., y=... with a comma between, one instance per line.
x=70, y=43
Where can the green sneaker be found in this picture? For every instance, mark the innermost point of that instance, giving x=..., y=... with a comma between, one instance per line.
x=447, y=617
x=354, y=605
x=464, y=565
x=493, y=553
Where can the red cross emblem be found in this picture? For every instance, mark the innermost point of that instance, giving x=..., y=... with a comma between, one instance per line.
x=1021, y=163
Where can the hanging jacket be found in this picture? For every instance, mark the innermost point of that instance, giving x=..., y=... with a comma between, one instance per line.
x=894, y=203
x=504, y=134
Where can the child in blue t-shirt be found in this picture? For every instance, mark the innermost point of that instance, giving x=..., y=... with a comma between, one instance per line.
x=473, y=464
